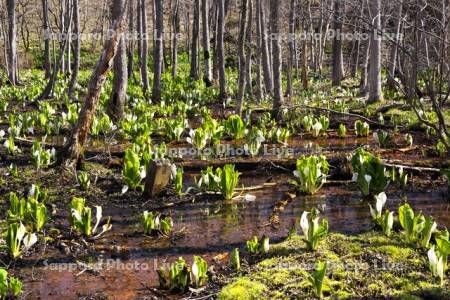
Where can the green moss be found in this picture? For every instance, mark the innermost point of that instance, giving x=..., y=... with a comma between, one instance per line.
x=242, y=289
x=366, y=265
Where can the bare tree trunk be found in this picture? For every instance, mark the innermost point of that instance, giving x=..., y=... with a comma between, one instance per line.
x=176, y=30
x=62, y=21
x=144, y=54
x=76, y=48
x=221, y=50
x=207, y=76
x=120, y=82
x=12, y=39
x=47, y=33
x=195, y=38
x=337, y=60
x=73, y=148
x=241, y=55
x=268, y=79
x=259, y=86
x=69, y=40
x=130, y=49
x=391, y=84
x=276, y=57
x=248, y=46
x=140, y=37
x=158, y=51
x=375, y=93
x=291, y=44
x=363, y=88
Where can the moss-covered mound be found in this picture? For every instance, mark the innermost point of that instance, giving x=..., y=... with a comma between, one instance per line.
x=368, y=265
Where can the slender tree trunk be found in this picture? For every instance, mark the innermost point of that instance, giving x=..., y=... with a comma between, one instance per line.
x=375, y=93
x=291, y=44
x=266, y=61
x=130, y=49
x=176, y=30
x=195, y=38
x=248, y=47
x=158, y=51
x=140, y=37
x=47, y=34
x=144, y=54
x=363, y=87
x=337, y=60
x=221, y=50
x=73, y=148
x=69, y=40
x=207, y=76
x=76, y=48
x=259, y=86
x=276, y=57
x=241, y=55
x=63, y=30
x=391, y=84
x=120, y=82
x=12, y=39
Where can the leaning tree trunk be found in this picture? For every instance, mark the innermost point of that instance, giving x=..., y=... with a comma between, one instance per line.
x=120, y=82
x=221, y=50
x=76, y=48
x=12, y=39
x=241, y=55
x=47, y=33
x=195, y=37
x=207, y=76
x=374, y=76
x=276, y=57
x=72, y=151
x=337, y=60
x=158, y=51
x=144, y=54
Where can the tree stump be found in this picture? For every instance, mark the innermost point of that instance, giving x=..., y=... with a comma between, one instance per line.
x=158, y=177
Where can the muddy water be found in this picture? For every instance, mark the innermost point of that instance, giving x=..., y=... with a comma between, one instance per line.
x=209, y=228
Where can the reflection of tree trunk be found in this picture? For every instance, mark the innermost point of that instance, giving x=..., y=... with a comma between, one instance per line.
x=73, y=149
x=195, y=37
x=221, y=50
x=158, y=51
x=47, y=63
x=207, y=76
x=12, y=39
x=76, y=47
x=120, y=82
x=276, y=57
x=374, y=79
